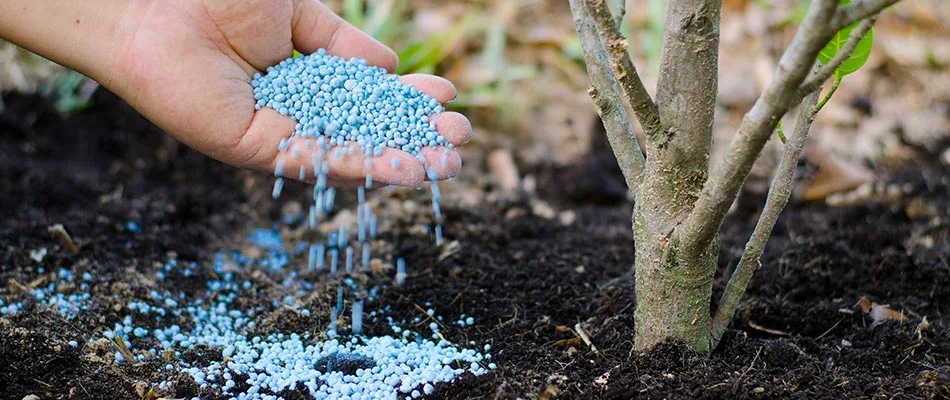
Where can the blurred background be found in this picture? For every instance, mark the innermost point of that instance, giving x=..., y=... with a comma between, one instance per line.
x=522, y=82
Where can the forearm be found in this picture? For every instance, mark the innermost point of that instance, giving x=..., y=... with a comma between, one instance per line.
x=84, y=35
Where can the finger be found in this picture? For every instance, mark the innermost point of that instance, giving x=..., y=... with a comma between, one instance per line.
x=316, y=27
x=345, y=183
x=262, y=140
x=433, y=86
x=441, y=163
x=347, y=164
x=405, y=171
x=454, y=127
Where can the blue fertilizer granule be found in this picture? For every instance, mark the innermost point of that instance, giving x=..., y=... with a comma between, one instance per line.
x=349, y=365
x=334, y=102
x=349, y=101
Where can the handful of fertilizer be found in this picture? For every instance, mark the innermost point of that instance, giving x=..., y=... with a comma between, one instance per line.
x=349, y=101
x=344, y=106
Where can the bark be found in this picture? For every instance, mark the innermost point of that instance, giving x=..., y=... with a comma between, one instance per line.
x=674, y=287
x=779, y=193
x=781, y=187
x=820, y=25
x=605, y=92
x=722, y=187
x=616, y=46
x=620, y=11
x=678, y=211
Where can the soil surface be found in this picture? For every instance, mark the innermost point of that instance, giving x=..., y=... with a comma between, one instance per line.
x=528, y=278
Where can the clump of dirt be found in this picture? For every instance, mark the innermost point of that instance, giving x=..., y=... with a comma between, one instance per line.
x=532, y=283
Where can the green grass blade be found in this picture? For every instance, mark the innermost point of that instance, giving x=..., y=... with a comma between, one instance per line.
x=353, y=11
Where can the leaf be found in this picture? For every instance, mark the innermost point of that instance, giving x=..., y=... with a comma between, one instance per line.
x=881, y=312
x=861, y=52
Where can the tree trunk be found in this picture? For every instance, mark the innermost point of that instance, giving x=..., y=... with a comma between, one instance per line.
x=674, y=288
x=673, y=293
x=678, y=212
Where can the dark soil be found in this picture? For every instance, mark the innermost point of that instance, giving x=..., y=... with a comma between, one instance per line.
x=528, y=280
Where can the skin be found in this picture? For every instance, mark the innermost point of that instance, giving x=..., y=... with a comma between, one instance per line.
x=187, y=65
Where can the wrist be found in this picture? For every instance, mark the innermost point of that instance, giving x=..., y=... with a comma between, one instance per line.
x=83, y=35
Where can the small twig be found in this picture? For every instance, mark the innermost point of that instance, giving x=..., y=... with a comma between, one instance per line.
x=751, y=365
x=583, y=335
x=831, y=92
x=829, y=329
x=59, y=231
x=620, y=10
x=776, y=332
x=779, y=193
x=640, y=100
x=857, y=11
x=429, y=317
x=815, y=82
x=780, y=132
x=18, y=286
x=449, y=250
x=511, y=320
x=605, y=92
x=41, y=382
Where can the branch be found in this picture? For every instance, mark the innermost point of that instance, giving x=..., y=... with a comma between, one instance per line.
x=616, y=45
x=721, y=189
x=606, y=95
x=831, y=92
x=817, y=80
x=778, y=196
x=620, y=11
x=857, y=11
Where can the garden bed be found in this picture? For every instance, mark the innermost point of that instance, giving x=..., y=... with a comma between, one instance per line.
x=134, y=199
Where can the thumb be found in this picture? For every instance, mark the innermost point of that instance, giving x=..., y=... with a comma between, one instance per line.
x=316, y=27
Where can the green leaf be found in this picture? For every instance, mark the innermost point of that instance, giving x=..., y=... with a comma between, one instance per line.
x=861, y=52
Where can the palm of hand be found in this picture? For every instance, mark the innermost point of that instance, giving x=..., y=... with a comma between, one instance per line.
x=190, y=65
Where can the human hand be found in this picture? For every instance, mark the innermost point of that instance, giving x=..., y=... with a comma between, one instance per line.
x=188, y=67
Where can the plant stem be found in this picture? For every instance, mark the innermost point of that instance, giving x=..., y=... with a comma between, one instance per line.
x=721, y=189
x=605, y=92
x=620, y=10
x=623, y=68
x=831, y=92
x=780, y=132
x=777, y=199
